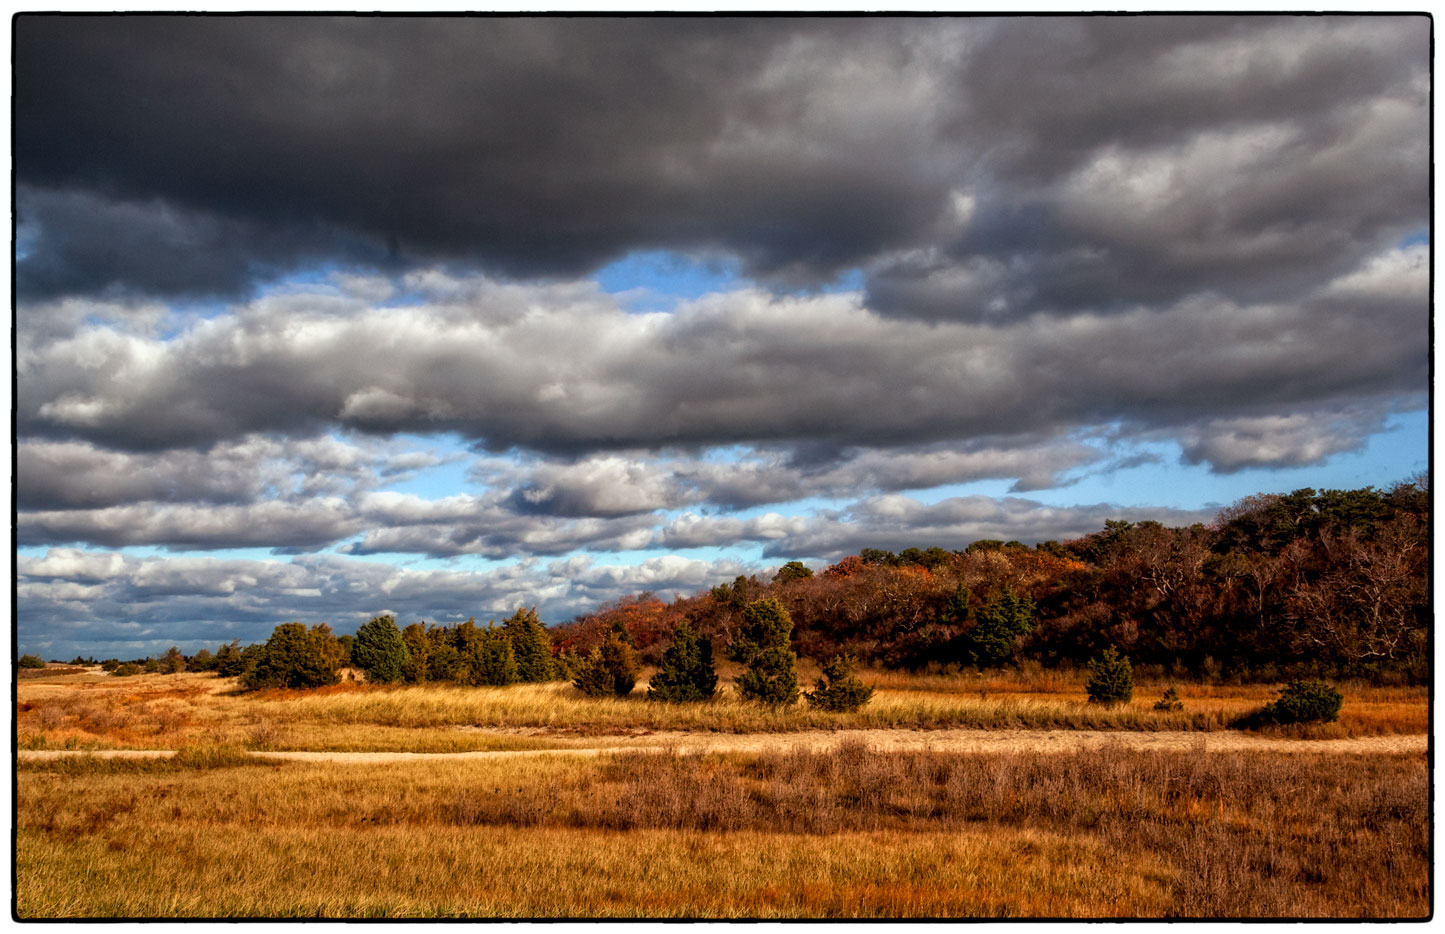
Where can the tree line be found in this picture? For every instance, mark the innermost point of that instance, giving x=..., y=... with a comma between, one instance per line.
x=1308, y=584
x=1314, y=583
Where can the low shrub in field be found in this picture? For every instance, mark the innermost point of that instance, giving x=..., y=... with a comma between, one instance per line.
x=1169, y=701
x=125, y=670
x=611, y=670
x=838, y=690
x=687, y=672
x=1111, y=679
x=1305, y=701
x=31, y=661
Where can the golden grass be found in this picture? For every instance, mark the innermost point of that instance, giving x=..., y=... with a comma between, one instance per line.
x=494, y=872
x=849, y=833
x=172, y=711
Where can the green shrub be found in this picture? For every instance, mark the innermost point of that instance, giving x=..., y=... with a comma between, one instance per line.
x=378, y=650
x=172, y=662
x=486, y=656
x=531, y=646
x=31, y=661
x=999, y=625
x=230, y=660
x=687, y=672
x=296, y=657
x=792, y=571
x=764, y=645
x=838, y=690
x=1111, y=678
x=610, y=669
x=1304, y=701
x=203, y=660
x=417, y=669
x=126, y=670
x=1169, y=701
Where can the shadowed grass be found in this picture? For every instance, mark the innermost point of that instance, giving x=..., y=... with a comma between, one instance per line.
x=845, y=833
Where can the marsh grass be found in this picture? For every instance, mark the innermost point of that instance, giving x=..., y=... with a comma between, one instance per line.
x=846, y=833
x=174, y=711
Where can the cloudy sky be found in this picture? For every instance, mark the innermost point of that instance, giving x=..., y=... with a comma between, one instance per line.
x=323, y=317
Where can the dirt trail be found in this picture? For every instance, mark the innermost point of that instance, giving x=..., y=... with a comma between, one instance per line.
x=976, y=741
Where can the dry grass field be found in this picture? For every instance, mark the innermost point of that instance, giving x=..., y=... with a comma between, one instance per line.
x=847, y=831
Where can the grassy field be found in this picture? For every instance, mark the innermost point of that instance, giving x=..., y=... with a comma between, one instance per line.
x=851, y=832
x=171, y=711
x=845, y=834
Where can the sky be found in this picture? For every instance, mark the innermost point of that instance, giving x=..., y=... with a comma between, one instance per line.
x=319, y=318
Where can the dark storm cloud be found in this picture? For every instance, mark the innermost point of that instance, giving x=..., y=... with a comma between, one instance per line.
x=972, y=167
x=534, y=146
x=1141, y=159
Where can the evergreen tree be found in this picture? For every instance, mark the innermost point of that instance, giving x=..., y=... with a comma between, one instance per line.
x=1169, y=701
x=296, y=657
x=173, y=661
x=203, y=660
x=838, y=690
x=999, y=625
x=444, y=656
x=418, y=654
x=1111, y=678
x=1304, y=701
x=764, y=646
x=486, y=656
x=345, y=641
x=687, y=672
x=610, y=669
x=379, y=650
x=229, y=661
x=792, y=571
x=531, y=645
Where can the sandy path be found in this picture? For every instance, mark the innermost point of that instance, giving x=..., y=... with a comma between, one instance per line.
x=973, y=741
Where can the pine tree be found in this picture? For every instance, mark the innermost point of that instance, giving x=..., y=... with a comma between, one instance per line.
x=203, y=660
x=486, y=656
x=838, y=690
x=296, y=657
x=611, y=669
x=999, y=624
x=764, y=645
x=1169, y=700
x=173, y=661
x=418, y=654
x=1111, y=678
x=687, y=672
x=230, y=662
x=531, y=645
x=379, y=650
